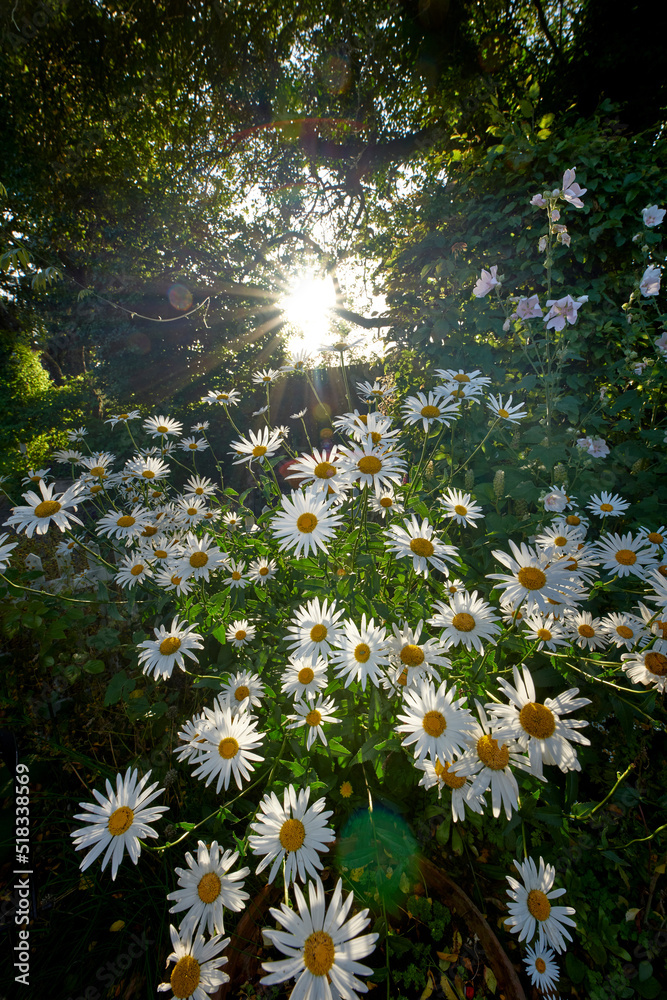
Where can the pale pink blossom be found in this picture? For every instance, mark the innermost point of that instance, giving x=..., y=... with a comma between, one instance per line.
x=564, y=238
x=598, y=448
x=555, y=215
x=488, y=281
x=542, y=244
x=650, y=283
x=555, y=501
x=528, y=308
x=639, y=367
x=561, y=310
x=538, y=201
x=584, y=442
x=572, y=191
x=653, y=215
x=661, y=344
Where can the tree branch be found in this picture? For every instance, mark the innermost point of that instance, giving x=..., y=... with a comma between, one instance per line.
x=541, y=17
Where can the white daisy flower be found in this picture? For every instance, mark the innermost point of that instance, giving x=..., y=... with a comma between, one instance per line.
x=36, y=475
x=466, y=619
x=266, y=376
x=133, y=570
x=240, y=632
x=242, y=691
x=78, y=434
x=197, y=971
x=461, y=507
x=166, y=651
x=585, y=630
x=191, y=737
x=98, y=465
x=304, y=677
x=313, y=713
x=6, y=549
x=539, y=727
x=39, y=512
x=656, y=538
x=200, y=427
x=227, y=748
x=168, y=579
x=118, y=821
x=148, y=467
x=298, y=361
x=373, y=467
x=560, y=539
x=542, y=969
x=201, y=557
x=208, y=888
x=647, y=667
x=261, y=446
x=625, y=629
x=260, y=411
x=421, y=544
x=262, y=570
x=115, y=524
x=323, y=946
x=512, y=414
x=319, y=471
x=199, y=486
x=607, y=504
x=223, y=397
x=531, y=909
x=122, y=418
x=162, y=426
x=576, y=520
x=161, y=549
x=305, y=523
x=386, y=504
x=623, y=554
x=299, y=415
x=447, y=775
x=292, y=833
x=374, y=392
x=546, y=631
x=361, y=654
x=316, y=630
x=67, y=456
x=193, y=444
x=232, y=520
x=414, y=659
x=473, y=383
x=236, y=570
x=437, y=408
x=189, y=511
x=435, y=721
x=490, y=766
x=532, y=579
x=373, y=429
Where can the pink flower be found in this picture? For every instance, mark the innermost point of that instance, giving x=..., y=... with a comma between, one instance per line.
x=571, y=191
x=488, y=281
x=653, y=215
x=555, y=501
x=584, y=443
x=564, y=237
x=542, y=244
x=538, y=201
x=561, y=310
x=650, y=283
x=528, y=308
x=661, y=343
x=598, y=448
x=555, y=215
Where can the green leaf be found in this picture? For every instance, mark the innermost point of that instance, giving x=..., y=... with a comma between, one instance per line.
x=93, y=667
x=118, y=687
x=576, y=970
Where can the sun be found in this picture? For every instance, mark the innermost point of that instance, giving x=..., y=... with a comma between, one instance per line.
x=307, y=306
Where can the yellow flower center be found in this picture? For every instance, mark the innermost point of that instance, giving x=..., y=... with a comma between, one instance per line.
x=306, y=523
x=160, y=553
x=540, y=965
x=199, y=491
x=137, y=570
x=162, y=428
x=386, y=502
x=306, y=675
x=292, y=834
x=463, y=622
x=656, y=663
x=447, y=777
x=222, y=395
x=626, y=557
x=369, y=465
x=193, y=446
x=655, y=537
x=625, y=632
x=47, y=508
x=531, y=577
x=560, y=540
x=502, y=412
x=170, y=645
x=573, y=519
x=241, y=634
x=148, y=531
x=263, y=570
x=537, y=720
x=259, y=450
x=411, y=655
x=434, y=723
x=362, y=653
x=120, y=821
x=318, y=632
x=148, y=474
x=209, y=887
x=587, y=631
x=403, y=679
x=375, y=437
x=319, y=953
x=544, y=634
x=346, y=789
x=461, y=377
x=228, y=748
x=422, y=547
x=176, y=580
x=538, y=904
x=96, y=488
x=314, y=717
x=198, y=559
x=430, y=412
x=491, y=755
x=126, y=521
x=606, y=507
x=185, y=978
x=242, y=692
x=191, y=511
x=460, y=510
x=236, y=575
x=98, y=470
x=324, y=470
